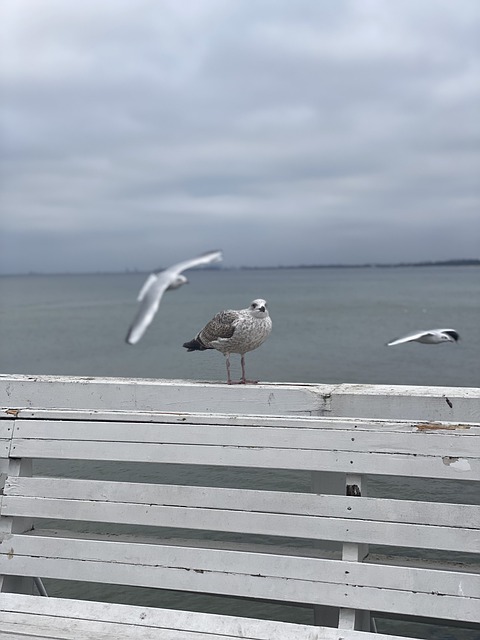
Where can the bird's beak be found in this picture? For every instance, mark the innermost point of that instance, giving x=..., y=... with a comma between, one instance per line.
x=262, y=309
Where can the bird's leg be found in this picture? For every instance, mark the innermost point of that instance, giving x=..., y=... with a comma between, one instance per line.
x=229, y=380
x=244, y=379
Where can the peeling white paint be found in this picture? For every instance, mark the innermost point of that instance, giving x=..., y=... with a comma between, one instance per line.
x=460, y=464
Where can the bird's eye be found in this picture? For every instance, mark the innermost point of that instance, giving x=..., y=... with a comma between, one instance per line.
x=254, y=306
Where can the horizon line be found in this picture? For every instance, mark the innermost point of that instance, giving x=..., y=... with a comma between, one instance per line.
x=455, y=262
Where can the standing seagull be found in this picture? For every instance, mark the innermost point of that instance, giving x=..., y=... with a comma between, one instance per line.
x=235, y=331
x=156, y=284
x=432, y=336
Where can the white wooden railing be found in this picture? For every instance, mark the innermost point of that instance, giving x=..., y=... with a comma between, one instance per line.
x=325, y=545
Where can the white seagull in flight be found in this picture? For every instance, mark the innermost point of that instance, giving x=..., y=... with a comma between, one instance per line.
x=156, y=284
x=432, y=336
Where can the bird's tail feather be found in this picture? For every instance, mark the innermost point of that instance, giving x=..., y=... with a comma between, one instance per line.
x=195, y=345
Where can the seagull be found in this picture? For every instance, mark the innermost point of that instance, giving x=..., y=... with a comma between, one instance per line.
x=432, y=336
x=235, y=331
x=156, y=284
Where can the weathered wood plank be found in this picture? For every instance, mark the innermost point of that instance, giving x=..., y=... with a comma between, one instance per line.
x=124, y=622
x=255, y=586
x=438, y=594
x=6, y=429
x=4, y=448
x=58, y=627
x=322, y=436
x=405, y=402
x=149, y=395
x=248, y=512
x=360, y=531
x=377, y=509
x=108, y=550
x=60, y=416
x=373, y=401
x=234, y=419
x=439, y=466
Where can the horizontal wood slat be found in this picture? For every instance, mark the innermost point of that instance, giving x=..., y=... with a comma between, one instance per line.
x=448, y=595
x=389, y=448
x=271, y=513
x=380, y=509
x=82, y=620
x=232, y=419
x=445, y=466
x=316, y=434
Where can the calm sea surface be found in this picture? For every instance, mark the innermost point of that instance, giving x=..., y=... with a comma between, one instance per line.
x=329, y=326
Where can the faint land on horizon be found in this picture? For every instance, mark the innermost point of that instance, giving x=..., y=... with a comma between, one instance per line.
x=463, y=262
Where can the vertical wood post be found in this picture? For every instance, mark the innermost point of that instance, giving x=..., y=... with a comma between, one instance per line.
x=354, y=619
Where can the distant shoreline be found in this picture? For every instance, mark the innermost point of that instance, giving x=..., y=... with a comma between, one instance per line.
x=380, y=265
x=367, y=265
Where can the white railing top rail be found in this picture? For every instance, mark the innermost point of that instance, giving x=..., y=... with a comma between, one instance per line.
x=458, y=404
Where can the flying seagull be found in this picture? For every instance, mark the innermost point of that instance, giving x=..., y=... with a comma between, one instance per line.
x=156, y=284
x=432, y=336
x=235, y=331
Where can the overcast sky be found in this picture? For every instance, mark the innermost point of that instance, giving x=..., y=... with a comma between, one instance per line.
x=136, y=133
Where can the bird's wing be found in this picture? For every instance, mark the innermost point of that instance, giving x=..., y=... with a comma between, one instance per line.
x=410, y=337
x=154, y=287
x=146, y=285
x=450, y=332
x=220, y=326
x=150, y=300
x=206, y=258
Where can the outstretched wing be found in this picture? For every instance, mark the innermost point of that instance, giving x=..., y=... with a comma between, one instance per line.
x=205, y=258
x=150, y=297
x=410, y=337
x=153, y=277
x=154, y=287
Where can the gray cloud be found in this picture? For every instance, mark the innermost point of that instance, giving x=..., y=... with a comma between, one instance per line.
x=138, y=132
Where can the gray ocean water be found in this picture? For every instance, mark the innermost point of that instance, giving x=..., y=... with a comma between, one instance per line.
x=329, y=326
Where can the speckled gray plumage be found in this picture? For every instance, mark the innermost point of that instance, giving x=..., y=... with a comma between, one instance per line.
x=234, y=331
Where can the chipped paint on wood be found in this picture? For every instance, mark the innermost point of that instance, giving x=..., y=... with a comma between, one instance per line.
x=456, y=463
x=437, y=426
